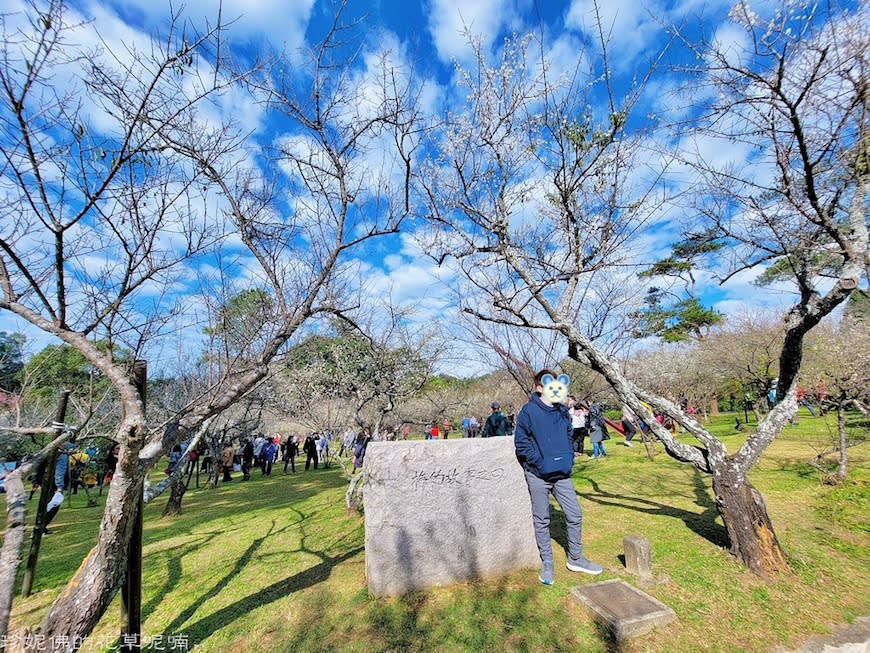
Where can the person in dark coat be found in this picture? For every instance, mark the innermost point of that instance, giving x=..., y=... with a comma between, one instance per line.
x=247, y=459
x=542, y=440
x=291, y=450
x=310, y=451
x=359, y=448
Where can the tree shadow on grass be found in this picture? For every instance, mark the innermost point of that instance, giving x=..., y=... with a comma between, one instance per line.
x=204, y=627
x=240, y=564
x=200, y=630
x=704, y=523
x=500, y=613
x=174, y=571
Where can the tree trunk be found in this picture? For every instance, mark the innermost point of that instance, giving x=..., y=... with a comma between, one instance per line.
x=13, y=537
x=45, y=493
x=353, y=498
x=75, y=613
x=750, y=532
x=173, y=506
x=842, y=468
x=756, y=410
x=649, y=443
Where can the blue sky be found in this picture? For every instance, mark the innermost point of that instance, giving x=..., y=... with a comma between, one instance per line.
x=429, y=36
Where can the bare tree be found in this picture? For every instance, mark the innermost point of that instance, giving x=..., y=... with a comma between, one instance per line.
x=795, y=96
x=745, y=353
x=803, y=101
x=103, y=218
x=836, y=375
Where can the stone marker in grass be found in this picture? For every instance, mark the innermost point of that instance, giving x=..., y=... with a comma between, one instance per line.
x=437, y=512
x=623, y=609
x=638, y=559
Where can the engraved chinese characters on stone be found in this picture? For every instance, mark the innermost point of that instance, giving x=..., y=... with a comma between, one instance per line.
x=441, y=512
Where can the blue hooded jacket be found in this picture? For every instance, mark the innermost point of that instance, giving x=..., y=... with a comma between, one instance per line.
x=543, y=439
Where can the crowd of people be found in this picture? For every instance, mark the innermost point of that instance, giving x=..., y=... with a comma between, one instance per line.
x=496, y=424
x=86, y=468
x=549, y=434
x=261, y=452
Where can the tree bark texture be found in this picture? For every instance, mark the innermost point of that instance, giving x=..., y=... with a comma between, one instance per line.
x=750, y=531
x=13, y=536
x=353, y=497
x=75, y=613
x=16, y=501
x=176, y=493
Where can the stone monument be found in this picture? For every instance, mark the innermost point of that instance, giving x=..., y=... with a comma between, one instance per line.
x=438, y=512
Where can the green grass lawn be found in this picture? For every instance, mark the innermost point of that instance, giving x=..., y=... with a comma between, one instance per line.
x=276, y=564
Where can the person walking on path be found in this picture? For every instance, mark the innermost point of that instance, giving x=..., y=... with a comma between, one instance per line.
x=247, y=459
x=578, y=412
x=323, y=449
x=544, y=449
x=270, y=452
x=310, y=451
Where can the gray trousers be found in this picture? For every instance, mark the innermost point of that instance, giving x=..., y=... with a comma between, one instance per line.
x=566, y=497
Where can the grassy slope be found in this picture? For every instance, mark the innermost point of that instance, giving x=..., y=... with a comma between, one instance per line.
x=275, y=564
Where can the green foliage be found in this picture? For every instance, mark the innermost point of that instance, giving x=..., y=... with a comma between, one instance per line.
x=697, y=245
x=585, y=136
x=352, y=366
x=11, y=361
x=666, y=315
x=804, y=266
x=680, y=321
x=445, y=382
x=241, y=321
x=668, y=267
x=858, y=307
x=61, y=367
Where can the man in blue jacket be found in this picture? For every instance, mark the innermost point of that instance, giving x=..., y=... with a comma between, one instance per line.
x=544, y=449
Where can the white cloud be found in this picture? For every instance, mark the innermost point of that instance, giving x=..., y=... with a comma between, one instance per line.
x=282, y=23
x=449, y=20
x=629, y=27
x=732, y=43
x=566, y=55
x=741, y=295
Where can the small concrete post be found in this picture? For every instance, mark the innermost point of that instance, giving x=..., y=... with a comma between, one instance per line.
x=638, y=559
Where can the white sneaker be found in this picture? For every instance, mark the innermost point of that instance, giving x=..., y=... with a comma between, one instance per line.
x=628, y=443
